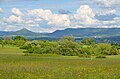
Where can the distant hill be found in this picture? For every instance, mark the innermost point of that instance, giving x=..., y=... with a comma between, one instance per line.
x=23, y=32
x=2, y=33
x=87, y=32
x=78, y=33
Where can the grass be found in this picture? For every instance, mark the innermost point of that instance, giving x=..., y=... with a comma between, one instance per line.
x=10, y=50
x=13, y=65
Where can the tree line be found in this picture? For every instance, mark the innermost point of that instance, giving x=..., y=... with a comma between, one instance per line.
x=66, y=46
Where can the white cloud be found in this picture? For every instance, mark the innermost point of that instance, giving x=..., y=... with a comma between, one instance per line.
x=13, y=19
x=52, y=19
x=16, y=12
x=106, y=11
x=1, y=10
x=40, y=13
x=84, y=16
x=107, y=3
x=45, y=21
x=59, y=20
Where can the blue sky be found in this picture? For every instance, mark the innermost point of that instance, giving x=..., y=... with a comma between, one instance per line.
x=51, y=15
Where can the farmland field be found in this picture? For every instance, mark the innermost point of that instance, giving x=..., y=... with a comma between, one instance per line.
x=13, y=65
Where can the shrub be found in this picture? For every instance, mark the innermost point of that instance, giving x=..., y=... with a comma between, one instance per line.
x=84, y=55
x=42, y=55
x=101, y=56
x=114, y=51
x=85, y=50
x=25, y=51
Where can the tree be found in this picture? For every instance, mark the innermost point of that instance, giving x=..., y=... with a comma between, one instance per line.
x=88, y=41
x=68, y=38
x=7, y=40
x=17, y=38
x=105, y=49
x=114, y=51
x=68, y=46
x=2, y=42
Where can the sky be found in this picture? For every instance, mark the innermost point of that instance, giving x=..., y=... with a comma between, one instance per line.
x=50, y=15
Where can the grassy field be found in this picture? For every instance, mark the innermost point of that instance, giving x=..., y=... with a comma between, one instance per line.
x=13, y=65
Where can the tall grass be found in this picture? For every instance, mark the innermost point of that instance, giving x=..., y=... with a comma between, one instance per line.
x=13, y=65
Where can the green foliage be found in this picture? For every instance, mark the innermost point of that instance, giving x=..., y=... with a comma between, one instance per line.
x=43, y=55
x=2, y=42
x=114, y=51
x=84, y=55
x=106, y=49
x=7, y=40
x=19, y=41
x=65, y=46
x=101, y=56
x=88, y=41
x=85, y=50
x=68, y=47
x=17, y=38
x=67, y=38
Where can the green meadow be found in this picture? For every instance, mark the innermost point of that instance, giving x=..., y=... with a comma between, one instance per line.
x=14, y=65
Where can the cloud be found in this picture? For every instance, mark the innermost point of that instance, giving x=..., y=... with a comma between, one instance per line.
x=106, y=12
x=84, y=16
x=35, y=17
x=107, y=3
x=107, y=17
x=13, y=19
x=42, y=20
x=16, y=12
x=52, y=19
x=1, y=10
x=60, y=20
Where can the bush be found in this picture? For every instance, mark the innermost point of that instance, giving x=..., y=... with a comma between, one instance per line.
x=84, y=55
x=25, y=51
x=24, y=47
x=42, y=55
x=68, y=47
x=114, y=51
x=101, y=56
x=85, y=50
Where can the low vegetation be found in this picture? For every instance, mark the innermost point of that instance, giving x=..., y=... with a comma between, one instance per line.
x=66, y=46
x=13, y=65
x=62, y=59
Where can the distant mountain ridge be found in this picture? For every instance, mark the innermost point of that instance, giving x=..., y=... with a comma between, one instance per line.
x=76, y=32
x=87, y=32
x=22, y=32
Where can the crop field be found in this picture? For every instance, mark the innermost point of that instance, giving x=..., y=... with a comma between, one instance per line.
x=14, y=65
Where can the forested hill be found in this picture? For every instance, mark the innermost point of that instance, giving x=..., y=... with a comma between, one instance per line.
x=76, y=32
x=23, y=32
x=87, y=32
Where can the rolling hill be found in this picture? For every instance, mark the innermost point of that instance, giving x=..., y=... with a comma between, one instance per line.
x=87, y=32
x=22, y=32
x=76, y=32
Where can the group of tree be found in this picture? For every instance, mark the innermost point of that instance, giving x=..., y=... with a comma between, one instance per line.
x=66, y=46
x=17, y=41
